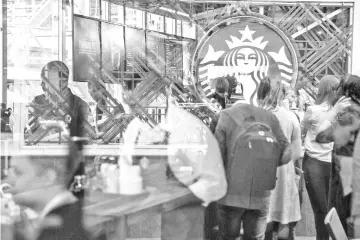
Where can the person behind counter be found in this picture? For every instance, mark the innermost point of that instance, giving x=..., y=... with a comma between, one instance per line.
x=342, y=127
x=55, y=75
x=39, y=183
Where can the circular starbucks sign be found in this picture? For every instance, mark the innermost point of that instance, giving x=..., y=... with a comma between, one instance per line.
x=244, y=50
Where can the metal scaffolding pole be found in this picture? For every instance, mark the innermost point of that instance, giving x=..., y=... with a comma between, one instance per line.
x=3, y=58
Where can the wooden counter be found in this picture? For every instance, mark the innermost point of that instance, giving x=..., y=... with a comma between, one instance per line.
x=104, y=211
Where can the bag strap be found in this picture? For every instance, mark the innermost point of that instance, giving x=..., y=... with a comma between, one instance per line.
x=258, y=124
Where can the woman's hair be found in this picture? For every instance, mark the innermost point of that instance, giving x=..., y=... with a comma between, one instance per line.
x=326, y=89
x=221, y=85
x=270, y=93
x=351, y=87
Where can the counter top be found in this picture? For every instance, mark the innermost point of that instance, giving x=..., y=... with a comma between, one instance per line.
x=101, y=207
x=96, y=150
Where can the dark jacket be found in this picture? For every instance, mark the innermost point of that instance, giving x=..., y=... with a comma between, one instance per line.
x=74, y=106
x=240, y=192
x=79, y=111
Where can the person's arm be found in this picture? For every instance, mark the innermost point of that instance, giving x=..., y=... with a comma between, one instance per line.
x=220, y=135
x=286, y=152
x=296, y=140
x=330, y=124
x=307, y=121
x=325, y=133
x=83, y=118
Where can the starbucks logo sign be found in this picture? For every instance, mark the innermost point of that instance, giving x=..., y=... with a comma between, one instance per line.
x=245, y=49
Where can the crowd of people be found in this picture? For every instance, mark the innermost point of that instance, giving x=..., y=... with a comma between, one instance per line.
x=261, y=150
x=333, y=118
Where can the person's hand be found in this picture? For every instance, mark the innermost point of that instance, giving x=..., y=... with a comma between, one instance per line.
x=182, y=168
x=341, y=105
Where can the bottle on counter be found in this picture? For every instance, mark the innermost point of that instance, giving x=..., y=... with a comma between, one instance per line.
x=130, y=179
x=110, y=174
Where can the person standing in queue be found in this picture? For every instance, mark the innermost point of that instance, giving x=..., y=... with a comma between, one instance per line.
x=317, y=158
x=284, y=199
x=342, y=126
x=69, y=108
x=252, y=146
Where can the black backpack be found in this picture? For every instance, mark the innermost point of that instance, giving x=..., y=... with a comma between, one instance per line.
x=257, y=146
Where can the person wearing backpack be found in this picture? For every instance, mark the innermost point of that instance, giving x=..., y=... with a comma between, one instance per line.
x=284, y=200
x=252, y=145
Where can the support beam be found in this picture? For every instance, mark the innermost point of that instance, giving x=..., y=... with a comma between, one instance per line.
x=205, y=14
x=3, y=56
x=311, y=26
x=277, y=2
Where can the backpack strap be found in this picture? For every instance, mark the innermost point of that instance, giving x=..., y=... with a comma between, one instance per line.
x=258, y=124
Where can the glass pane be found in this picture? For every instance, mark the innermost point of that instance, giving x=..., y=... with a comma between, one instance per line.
x=89, y=8
x=155, y=51
x=31, y=43
x=189, y=30
x=135, y=46
x=174, y=59
x=155, y=22
x=112, y=48
x=178, y=28
x=170, y=25
x=116, y=13
x=105, y=10
x=134, y=18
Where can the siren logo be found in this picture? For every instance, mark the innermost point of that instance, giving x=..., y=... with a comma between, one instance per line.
x=244, y=53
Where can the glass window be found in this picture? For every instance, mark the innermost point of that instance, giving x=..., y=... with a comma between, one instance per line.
x=170, y=26
x=155, y=51
x=89, y=8
x=30, y=46
x=178, y=28
x=116, y=13
x=135, y=46
x=134, y=18
x=189, y=30
x=155, y=22
x=105, y=10
x=174, y=59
